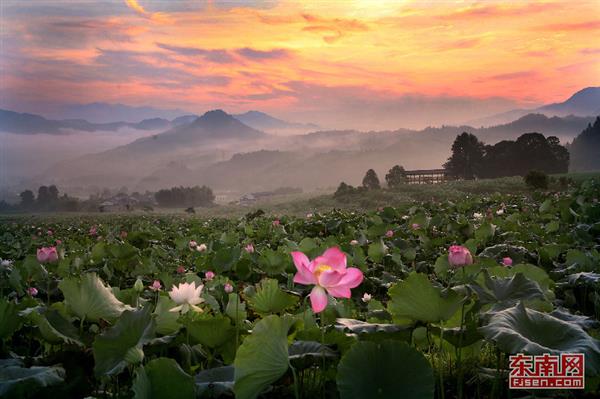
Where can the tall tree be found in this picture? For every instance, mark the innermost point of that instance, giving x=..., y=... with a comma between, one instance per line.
x=43, y=197
x=27, y=199
x=53, y=193
x=585, y=149
x=396, y=176
x=466, y=160
x=371, y=181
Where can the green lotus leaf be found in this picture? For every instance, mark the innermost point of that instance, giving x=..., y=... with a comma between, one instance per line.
x=211, y=331
x=166, y=321
x=304, y=354
x=519, y=329
x=10, y=321
x=21, y=382
x=389, y=369
x=235, y=309
x=55, y=329
x=269, y=298
x=163, y=378
x=215, y=382
x=263, y=356
x=417, y=299
x=122, y=344
x=88, y=298
x=502, y=293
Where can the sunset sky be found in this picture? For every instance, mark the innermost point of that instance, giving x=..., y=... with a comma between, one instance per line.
x=361, y=63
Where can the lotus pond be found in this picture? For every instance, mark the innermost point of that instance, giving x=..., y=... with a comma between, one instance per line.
x=424, y=300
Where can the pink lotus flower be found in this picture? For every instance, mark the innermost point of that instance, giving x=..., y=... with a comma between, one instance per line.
x=507, y=261
x=49, y=232
x=123, y=234
x=366, y=298
x=328, y=273
x=209, y=275
x=93, y=231
x=415, y=226
x=276, y=222
x=180, y=269
x=459, y=256
x=58, y=242
x=47, y=255
x=249, y=248
x=156, y=286
x=228, y=288
x=389, y=234
x=32, y=291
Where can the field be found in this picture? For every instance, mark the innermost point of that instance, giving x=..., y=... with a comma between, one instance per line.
x=455, y=279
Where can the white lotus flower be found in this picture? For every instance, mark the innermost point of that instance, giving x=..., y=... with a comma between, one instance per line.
x=201, y=248
x=366, y=297
x=478, y=215
x=500, y=212
x=187, y=296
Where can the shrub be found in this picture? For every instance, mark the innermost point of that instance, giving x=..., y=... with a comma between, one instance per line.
x=536, y=179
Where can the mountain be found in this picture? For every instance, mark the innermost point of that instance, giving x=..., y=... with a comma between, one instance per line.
x=218, y=150
x=585, y=149
x=24, y=123
x=202, y=142
x=101, y=112
x=585, y=102
x=184, y=120
x=261, y=121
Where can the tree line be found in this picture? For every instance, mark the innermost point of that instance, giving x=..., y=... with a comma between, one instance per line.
x=471, y=158
x=185, y=197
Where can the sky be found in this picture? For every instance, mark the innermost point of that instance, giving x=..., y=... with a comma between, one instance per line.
x=368, y=64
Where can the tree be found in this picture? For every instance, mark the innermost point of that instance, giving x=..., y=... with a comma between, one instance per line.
x=371, y=181
x=185, y=196
x=466, y=160
x=343, y=190
x=53, y=193
x=396, y=176
x=536, y=179
x=585, y=148
x=27, y=199
x=43, y=196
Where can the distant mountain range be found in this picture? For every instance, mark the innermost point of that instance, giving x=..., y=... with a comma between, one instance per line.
x=261, y=121
x=100, y=112
x=23, y=123
x=218, y=150
x=585, y=102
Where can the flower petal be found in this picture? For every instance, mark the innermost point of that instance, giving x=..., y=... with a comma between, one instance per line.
x=352, y=278
x=329, y=278
x=304, y=274
x=335, y=258
x=318, y=299
x=300, y=260
x=340, y=291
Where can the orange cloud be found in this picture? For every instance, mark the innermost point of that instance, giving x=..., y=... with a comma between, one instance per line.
x=333, y=29
x=156, y=16
x=572, y=26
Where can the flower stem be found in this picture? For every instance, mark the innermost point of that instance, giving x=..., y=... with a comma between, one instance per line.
x=296, y=392
x=441, y=365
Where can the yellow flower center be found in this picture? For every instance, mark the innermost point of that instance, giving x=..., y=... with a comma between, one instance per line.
x=320, y=269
